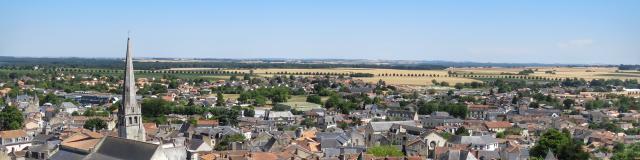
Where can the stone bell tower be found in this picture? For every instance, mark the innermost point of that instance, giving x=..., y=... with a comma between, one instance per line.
x=130, y=112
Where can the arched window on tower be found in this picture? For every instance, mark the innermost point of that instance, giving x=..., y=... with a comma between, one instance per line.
x=130, y=120
x=135, y=120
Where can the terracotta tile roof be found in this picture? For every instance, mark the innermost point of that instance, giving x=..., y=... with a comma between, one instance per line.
x=94, y=134
x=309, y=144
x=150, y=126
x=498, y=124
x=209, y=156
x=85, y=145
x=168, y=98
x=264, y=155
x=311, y=133
x=13, y=133
x=207, y=122
x=83, y=140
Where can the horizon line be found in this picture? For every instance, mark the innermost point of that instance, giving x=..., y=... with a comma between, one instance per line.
x=352, y=59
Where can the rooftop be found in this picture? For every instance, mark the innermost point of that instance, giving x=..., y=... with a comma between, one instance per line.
x=13, y=133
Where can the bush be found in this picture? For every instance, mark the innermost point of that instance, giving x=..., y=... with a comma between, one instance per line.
x=314, y=99
x=95, y=123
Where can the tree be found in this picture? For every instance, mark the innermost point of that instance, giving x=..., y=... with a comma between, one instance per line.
x=173, y=84
x=246, y=77
x=560, y=143
x=462, y=131
x=95, y=124
x=333, y=101
x=220, y=99
x=233, y=78
x=155, y=109
x=153, y=89
x=515, y=100
x=595, y=104
x=456, y=110
x=314, y=99
x=450, y=93
x=10, y=118
x=343, y=125
x=308, y=122
x=624, y=152
x=51, y=98
x=459, y=86
x=249, y=112
x=568, y=103
x=227, y=140
x=89, y=113
x=534, y=105
x=279, y=107
x=244, y=97
x=260, y=100
x=279, y=94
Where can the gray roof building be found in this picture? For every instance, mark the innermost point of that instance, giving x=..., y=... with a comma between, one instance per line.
x=115, y=148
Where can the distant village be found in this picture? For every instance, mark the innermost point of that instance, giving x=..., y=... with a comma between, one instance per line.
x=66, y=116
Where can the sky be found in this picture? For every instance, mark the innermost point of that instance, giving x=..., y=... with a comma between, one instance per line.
x=524, y=31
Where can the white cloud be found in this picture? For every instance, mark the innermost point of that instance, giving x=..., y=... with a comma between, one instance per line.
x=576, y=43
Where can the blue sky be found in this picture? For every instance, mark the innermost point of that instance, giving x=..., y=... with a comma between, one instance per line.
x=570, y=31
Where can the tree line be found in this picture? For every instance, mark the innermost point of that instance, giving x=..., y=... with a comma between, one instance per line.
x=29, y=62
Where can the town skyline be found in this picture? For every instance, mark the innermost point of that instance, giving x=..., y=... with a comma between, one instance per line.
x=320, y=80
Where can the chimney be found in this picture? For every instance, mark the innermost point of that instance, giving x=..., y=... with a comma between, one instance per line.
x=299, y=132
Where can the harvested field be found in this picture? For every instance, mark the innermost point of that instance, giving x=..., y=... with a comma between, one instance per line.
x=374, y=71
x=587, y=73
x=424, y=77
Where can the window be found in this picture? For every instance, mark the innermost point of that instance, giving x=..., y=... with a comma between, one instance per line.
x=130, y=120
x=135, y=120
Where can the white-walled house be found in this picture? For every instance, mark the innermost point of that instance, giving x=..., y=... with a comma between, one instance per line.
x=14, y=140
x=486, y=142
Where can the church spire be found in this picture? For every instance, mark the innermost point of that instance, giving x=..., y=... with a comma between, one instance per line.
x=129, y=96
x=129, y=113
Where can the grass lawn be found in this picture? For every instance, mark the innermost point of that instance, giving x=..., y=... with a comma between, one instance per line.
x=232, y=96
x=303, y=98
x=298, y=98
